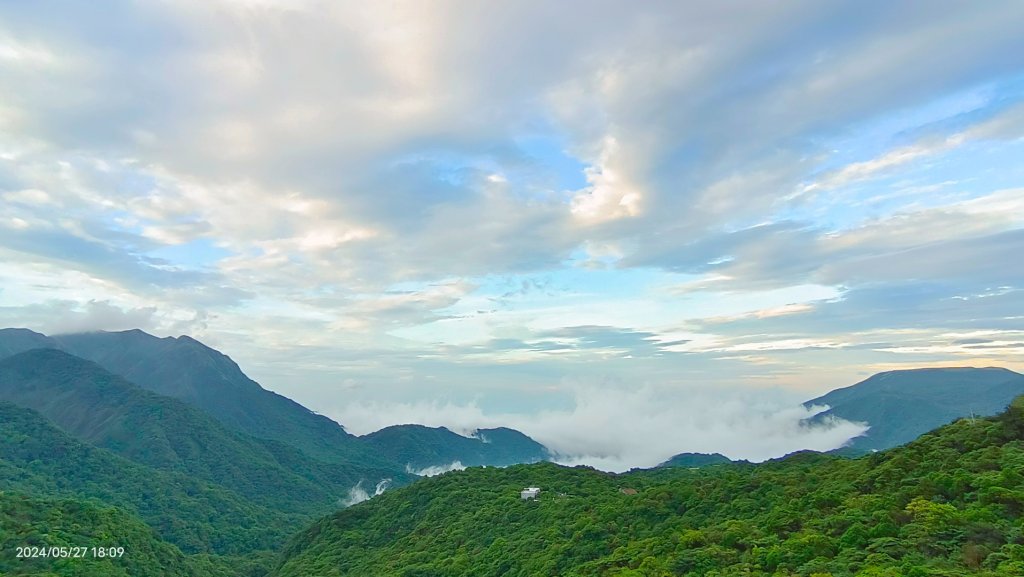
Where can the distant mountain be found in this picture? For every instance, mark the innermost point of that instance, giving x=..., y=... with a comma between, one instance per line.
x=185, y=369
x=107, y=411
x=902, y=405
x=420, y=447
x=38, y=459
x=696, y=460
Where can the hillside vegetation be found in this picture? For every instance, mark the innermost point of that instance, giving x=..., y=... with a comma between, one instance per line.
x=950, y=503
x=38, y=459
x=47, y=523
x=107, y=411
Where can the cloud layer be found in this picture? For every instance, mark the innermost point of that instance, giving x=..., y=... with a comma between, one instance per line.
x=616, y=429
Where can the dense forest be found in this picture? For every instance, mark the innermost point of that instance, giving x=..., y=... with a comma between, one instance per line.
x=950, y=503
x=38, y=459
x=78, y=526
x=26, y=522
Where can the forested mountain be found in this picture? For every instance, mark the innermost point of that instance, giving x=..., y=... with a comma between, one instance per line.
x=38, y=459
x=82, y=525
x=106, y=411
x=901, y=405
x=950, y=503
x=420, y=447
x=185, y=369
x=696, y=460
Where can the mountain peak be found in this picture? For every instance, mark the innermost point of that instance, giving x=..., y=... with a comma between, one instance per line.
x=421, y=447
x=17, y=340
x=186, y=369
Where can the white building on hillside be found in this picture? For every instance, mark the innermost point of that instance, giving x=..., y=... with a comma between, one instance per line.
x=529, y=493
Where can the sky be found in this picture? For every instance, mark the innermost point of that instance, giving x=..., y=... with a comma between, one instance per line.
x=630, y=231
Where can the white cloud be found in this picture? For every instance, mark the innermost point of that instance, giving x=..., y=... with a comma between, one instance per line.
x=1004, y=125
x=865, y=169
x=615, y=429
x=357, y=494
x=609, y=196
x=19, y=54
x=436, y=469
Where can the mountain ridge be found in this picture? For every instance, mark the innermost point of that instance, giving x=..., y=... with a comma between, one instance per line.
x=420, y=447
x=186, y=369
x=105, y=410
x=903, y=404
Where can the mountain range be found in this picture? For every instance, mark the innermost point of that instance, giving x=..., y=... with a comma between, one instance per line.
x=165, y=445
x=187, y=370
x=107, y=411
x=184, y=369
x=212, y=465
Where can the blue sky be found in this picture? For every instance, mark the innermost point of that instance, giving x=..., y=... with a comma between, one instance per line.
x=673, y=219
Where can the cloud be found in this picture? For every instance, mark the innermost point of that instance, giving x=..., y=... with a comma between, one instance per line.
x=436, y=469
x=1006, y=124
x=357, y=494
x=866, y=169
x=968, y=241
x=612, y=428
x=402, y=308
x=341, y=128
x=73, y=249
x=61, y=317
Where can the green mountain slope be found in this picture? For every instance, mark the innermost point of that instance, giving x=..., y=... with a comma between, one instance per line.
x=420, y=447
x=901, y=405
x=950, y=503
x=109, y=412
x=185, y=369
x=72, y=523
x=38, y=459
x=696, y=460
